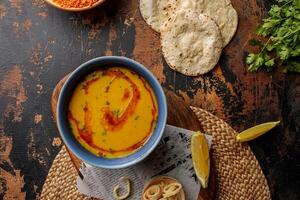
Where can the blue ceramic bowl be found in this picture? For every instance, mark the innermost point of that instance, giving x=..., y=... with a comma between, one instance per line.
x=65, y=129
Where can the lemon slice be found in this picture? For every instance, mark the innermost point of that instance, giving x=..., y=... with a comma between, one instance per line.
x=255, y=131
x=200, y=157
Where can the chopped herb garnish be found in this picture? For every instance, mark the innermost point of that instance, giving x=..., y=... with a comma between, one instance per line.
x=101, y=154
x=137, y=117
x=81, y=127
x=83, y=86
x=106, y=89
x=117, y=112
x=104, y=133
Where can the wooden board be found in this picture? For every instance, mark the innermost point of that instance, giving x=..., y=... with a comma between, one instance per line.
x=179, y=114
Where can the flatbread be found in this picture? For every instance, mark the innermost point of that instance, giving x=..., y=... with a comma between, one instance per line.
x=157, y=12
x=191, y=43
x=223, y=13
x=167, y=8
x=150, y=13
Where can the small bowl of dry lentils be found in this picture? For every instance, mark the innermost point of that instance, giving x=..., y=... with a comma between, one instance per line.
x=74, y=5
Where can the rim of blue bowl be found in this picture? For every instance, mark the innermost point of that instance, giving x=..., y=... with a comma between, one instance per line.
x=64, y=127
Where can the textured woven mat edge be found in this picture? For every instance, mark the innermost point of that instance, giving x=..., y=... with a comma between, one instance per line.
x=238, y=173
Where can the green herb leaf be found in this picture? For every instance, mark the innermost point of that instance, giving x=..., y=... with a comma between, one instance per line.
x=284, y=53
x=251, y=58
x=137, y=117
x=259, y=61
x=104, y=133
x=255, y=42
x=282, y=26
x=296, y=51
x=117, y=112
x=292, y=67
x=270, y=63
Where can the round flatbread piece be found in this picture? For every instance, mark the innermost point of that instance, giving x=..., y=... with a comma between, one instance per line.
x=223, y=13
x=149, y=12
x=157, y=12
x=191, y=43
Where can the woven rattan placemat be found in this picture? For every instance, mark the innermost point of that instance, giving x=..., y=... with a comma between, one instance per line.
x=238, y=173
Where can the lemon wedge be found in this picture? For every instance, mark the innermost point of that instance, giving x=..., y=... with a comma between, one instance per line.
x=255, y=131
x=200, y=157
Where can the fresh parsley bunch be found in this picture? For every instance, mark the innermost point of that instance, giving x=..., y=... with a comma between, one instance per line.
x=282, y=27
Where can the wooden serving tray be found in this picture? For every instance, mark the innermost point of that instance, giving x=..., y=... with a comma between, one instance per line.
x=179, y=114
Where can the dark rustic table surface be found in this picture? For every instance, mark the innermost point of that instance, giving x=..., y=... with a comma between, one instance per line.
x=40, y=44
